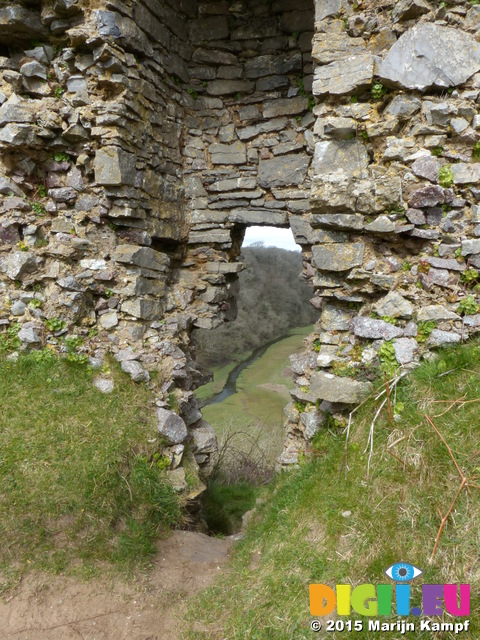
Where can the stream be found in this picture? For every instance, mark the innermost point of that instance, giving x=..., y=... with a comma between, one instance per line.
x=230, y=386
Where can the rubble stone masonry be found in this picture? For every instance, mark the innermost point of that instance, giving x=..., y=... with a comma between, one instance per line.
x=138, y=140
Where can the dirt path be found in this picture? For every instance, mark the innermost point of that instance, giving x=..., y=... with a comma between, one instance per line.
x=49, y=607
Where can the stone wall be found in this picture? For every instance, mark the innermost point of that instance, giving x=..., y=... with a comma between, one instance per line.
x=139, y=139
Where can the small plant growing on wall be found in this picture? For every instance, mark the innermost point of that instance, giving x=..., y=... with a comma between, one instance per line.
x=468, y=307
x=470, y=277
x=378, y=90
x=445, y=176
x=388, y=360
x=425, y=328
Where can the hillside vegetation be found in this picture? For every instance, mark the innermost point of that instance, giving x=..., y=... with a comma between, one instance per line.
x=320, y=524
x=272, y=300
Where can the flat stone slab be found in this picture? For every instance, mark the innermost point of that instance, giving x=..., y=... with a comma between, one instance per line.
x=439, y=338
x=338, y=257
x=325, y=386
x=283, y=171
x=345, y=158
x=429, y=55
x=394, y=305
x=364, y=327
x=344, y=76
x=436, y=312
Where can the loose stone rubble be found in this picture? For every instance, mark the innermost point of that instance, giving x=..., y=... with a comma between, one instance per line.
x=138, y=140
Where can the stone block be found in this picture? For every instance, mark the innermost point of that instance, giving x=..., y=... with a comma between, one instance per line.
x=429, y=55
x=141, y=257
x=394, y=305
x=143, y=308
x=409, y=9
x=342, y=158
x=439, y=338
x=228, y=87
x=282, y=171
x=259, y=217
x=429, y=196
x=405, y=350
x=365, y=327
x=228, y=153
x=332, y=47
x=18, y=25
x=353, y=221
x=135, y=371
x=114, y=167
x=269, y=65
x=470, y=246
x=19, y=265
x=325, y=386
x=276, y=124
x=465, y=173
x=327, y=9
x=436, y=312
x=285, y=107
x=345, y=76
x=404, y=106
x=338, y=257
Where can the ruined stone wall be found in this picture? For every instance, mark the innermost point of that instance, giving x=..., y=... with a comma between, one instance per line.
x=139, y=139
x=394, y=197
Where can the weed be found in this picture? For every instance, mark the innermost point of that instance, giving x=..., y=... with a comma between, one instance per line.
x=388, y=360
x=468, y=306
x=436, y=151
x=390, y=320
x=423, y=266
x=9, y=341
x=445, y=176
x=476, y=151
x=425, y=328
x=38, y=209
x=469, y=277
x=378, y=90
x=311, y=103
x=62, y=157
x=35, y=303
x=406, y=266
x=193, y=93
x=317, y=345
x=58, y=92
x=55, y=324
x=42, y=191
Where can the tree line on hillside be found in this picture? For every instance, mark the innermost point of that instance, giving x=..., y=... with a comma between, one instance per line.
x=272, y=300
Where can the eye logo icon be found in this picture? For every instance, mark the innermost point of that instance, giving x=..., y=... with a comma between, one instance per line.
x=403, y=572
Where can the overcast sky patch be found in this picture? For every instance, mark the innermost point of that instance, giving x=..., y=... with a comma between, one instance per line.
x=271, y=237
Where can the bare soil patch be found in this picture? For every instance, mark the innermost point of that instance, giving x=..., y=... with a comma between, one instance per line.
x=46, y=607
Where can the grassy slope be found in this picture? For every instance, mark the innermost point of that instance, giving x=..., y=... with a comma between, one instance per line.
x=77, y=480
x=299, y=535
x=254, y=404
